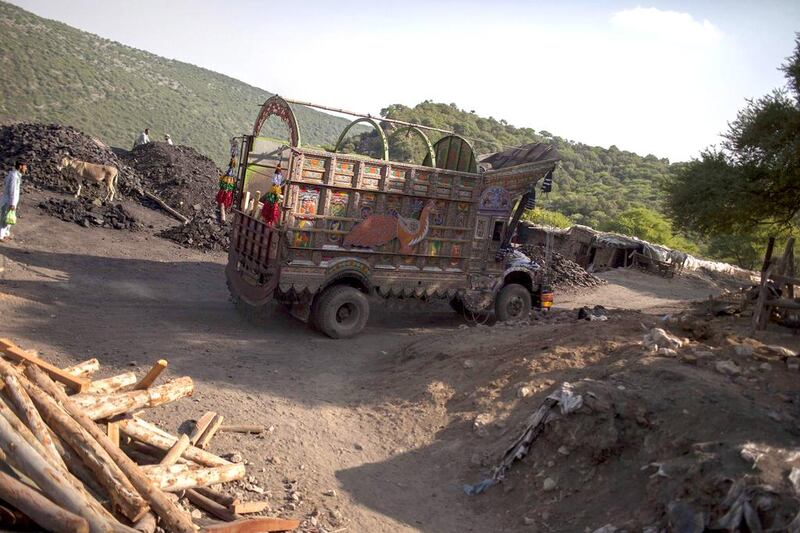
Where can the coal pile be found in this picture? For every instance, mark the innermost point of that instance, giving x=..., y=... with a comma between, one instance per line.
x=203, y=232
x=43, y=146
x=182, y=177
x=564, y=273
x=88, y=213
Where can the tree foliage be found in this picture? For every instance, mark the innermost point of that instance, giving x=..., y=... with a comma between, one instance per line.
x=592, y=184
x=754, y=178
x=544, y=217
x=55, y=73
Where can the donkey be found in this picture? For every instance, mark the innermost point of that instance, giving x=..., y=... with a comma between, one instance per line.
x=91, y=172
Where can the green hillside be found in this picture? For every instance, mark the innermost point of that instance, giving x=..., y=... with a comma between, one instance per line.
x=52, y=72
x=55, y=73
x=592, y=186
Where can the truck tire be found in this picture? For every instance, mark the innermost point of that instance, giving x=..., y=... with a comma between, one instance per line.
x=341, y=312
x=512, y=303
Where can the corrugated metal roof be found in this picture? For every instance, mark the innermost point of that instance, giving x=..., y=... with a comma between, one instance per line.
x=527, y=153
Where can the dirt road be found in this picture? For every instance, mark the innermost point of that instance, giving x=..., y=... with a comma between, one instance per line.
x=344, y=420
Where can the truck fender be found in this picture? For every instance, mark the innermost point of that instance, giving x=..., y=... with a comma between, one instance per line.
x=350, y=271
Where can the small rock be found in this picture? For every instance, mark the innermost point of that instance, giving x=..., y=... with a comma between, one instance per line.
x=235, y=457
x=728, y=368
x=331, y=493
x=196, y=514
x=549, y=484
x=659, y=337
x=255, y=488
x=688, y=358
x=563, y=450
x=528, y=521
x=524, y=391
x=667, y=352
x=295, y=496
x=468, y=363
x=480, y=424
x=358, y=447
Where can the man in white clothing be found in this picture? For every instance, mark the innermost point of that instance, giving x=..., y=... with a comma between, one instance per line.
x=143, y=138
x=10, y=197
x=168, y=139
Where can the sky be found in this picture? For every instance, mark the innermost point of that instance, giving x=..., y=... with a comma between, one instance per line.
x=660, y=78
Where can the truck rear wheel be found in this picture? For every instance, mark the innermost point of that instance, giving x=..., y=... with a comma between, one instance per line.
x=341, y=312
x=513, y=303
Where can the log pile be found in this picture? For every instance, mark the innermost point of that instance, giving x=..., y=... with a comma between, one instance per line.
x=77, y=456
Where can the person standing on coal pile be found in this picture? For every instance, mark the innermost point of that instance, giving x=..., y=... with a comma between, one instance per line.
x=168, y=139
x=10, y=198
x=143, y=138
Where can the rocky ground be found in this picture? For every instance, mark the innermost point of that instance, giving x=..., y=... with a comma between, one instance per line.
x=381, y=433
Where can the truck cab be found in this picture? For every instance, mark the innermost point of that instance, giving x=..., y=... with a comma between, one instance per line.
x=350, y=226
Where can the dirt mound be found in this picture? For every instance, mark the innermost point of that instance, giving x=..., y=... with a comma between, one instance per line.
x=43, y=146
x=564, y=273
x=203, y=231
x=89, y=213
x=181, y=176
x=703, y=435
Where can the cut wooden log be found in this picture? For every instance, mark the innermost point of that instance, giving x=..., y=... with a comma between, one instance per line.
x=210, y=432
x=222, y=499
x=146, y=524
x=243, y=429
x=173, y=519
x=76, y=466
x=108, y=474
x=122, y=402
x=50, y=480
x=112, y=430
x=180, y=477
x=109, y=385
x=249, y=507
x=176, y=451
x=41, y=510
x=255, y=525
x=66, y=452
x=151, y=434
x=15, y=353
x=84, y=368
x=151, y=376
x=26, y=411
x=166, y=208
x=211, y=507
x=201, y=426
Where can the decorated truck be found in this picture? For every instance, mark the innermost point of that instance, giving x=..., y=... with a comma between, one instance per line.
x=323, y=232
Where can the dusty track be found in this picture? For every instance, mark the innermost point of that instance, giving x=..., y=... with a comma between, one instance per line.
x=342, y=419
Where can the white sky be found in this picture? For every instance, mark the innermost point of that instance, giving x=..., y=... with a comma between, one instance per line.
x=659, y=77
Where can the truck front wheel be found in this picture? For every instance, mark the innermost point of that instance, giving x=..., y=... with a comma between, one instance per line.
x=341, y=312
x=512, y=303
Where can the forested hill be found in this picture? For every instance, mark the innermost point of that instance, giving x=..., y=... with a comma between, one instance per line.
x=592, y=186
x=52, y=72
